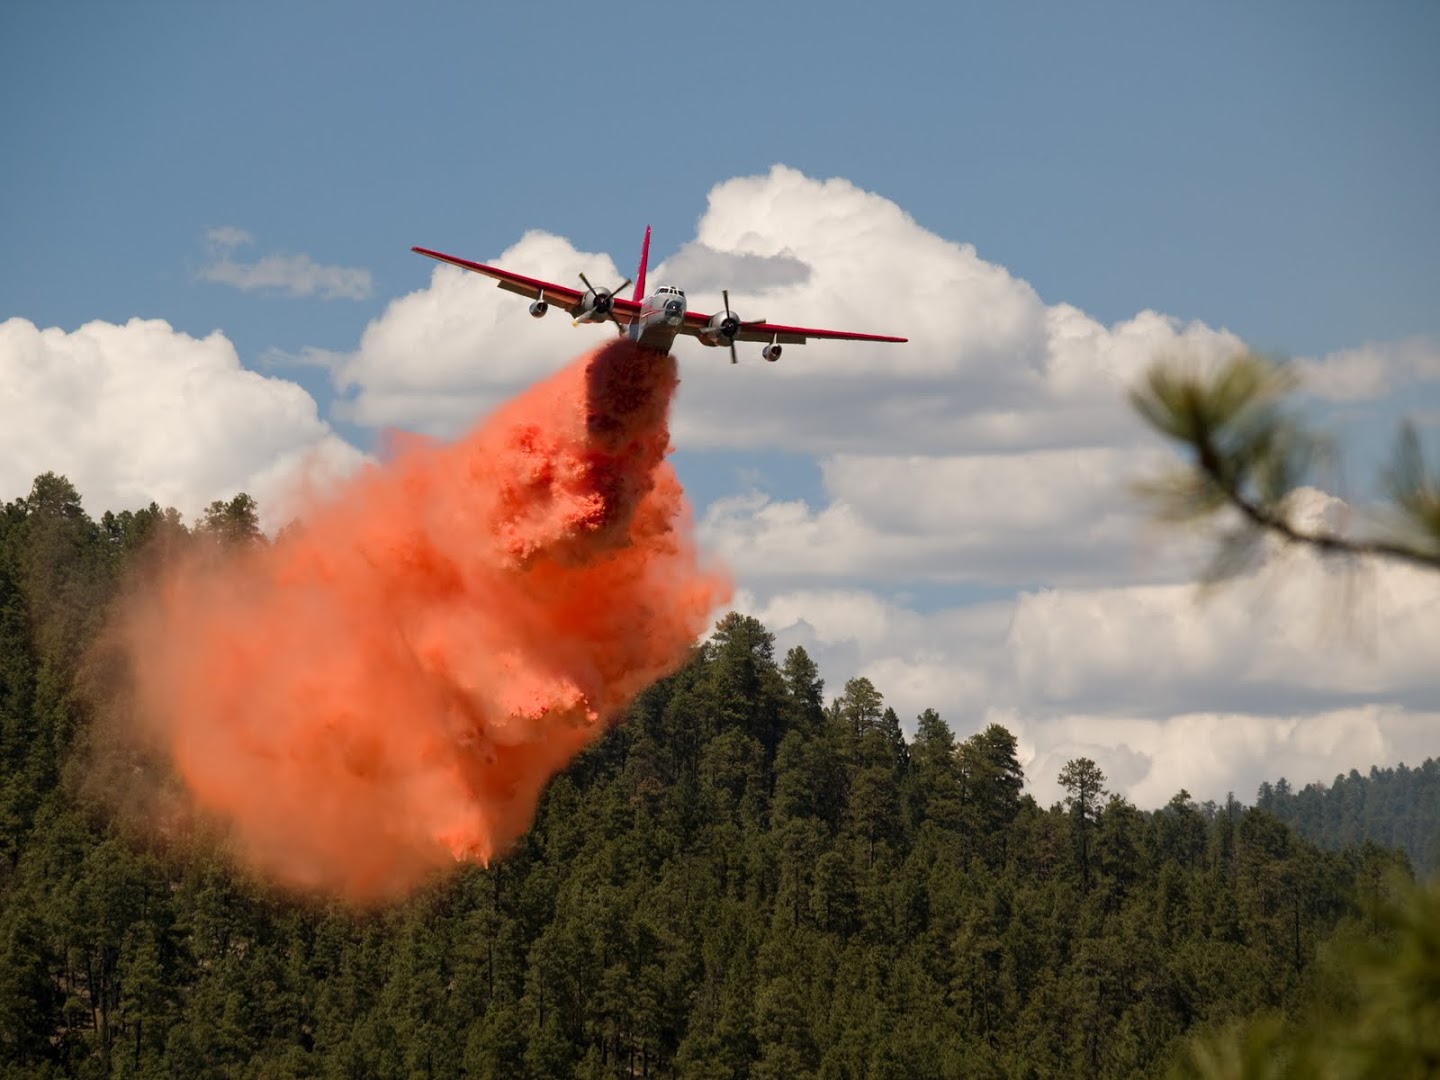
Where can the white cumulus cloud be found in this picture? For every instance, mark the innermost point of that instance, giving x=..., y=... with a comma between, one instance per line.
x=292, y=275
x=1371, y=371
x=1303, y=629
x=139, y=412
x=1042, y=515
x=988, y=365
x=995, y=450
x=1297, y=670
x=1150, y=758
x=443, y=354
x=993, y=453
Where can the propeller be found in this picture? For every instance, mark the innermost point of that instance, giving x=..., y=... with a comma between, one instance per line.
x=731, y=325
x=603, y=305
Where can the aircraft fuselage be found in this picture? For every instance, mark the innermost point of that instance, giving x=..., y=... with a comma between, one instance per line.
x=662, y=314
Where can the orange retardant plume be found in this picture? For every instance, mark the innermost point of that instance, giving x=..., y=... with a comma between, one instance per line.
x=388, y=688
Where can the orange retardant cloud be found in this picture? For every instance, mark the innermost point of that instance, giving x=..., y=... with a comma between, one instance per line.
x=388, y=689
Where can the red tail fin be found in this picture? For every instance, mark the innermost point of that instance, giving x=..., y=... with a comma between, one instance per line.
x=644, y=261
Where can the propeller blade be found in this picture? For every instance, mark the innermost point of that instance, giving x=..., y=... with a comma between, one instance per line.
x=586, y=280
x=733, y=358
x=726, y=294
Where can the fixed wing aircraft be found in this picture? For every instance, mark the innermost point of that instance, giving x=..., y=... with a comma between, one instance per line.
x=651, y=321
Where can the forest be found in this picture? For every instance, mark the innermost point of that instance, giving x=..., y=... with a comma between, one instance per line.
x=747, y=876
x=1397, y=807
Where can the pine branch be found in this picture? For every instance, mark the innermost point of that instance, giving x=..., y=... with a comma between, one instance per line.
x=1250, y=456
x=1273, y=520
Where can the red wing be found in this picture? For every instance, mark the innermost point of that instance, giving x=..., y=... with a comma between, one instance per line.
x=783, y=335
x=561, y=295
x=797, y=334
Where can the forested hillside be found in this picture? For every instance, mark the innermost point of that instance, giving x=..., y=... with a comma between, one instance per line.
x=1396, y=807
x=745, y=877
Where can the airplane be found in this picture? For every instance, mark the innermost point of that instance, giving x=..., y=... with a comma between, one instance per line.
x=653, y=321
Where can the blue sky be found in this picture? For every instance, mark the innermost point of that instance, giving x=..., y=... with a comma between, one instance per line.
x=1269, y=170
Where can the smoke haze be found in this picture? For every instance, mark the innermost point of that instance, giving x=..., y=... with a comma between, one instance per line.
x=387, y=688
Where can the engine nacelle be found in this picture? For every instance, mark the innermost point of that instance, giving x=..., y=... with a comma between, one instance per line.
x=721, y=329
x=771, y=353
x=539, y=308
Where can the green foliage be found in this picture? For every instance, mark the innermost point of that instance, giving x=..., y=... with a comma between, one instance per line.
x=1340, y=996
x=1415, y=488
x=739, y=880
x=1374, y=1013
x=234, y=522
x=1395, y=807
x=1084, y=786
x=1250, y=454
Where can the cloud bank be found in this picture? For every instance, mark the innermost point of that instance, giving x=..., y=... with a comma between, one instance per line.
x=975, y=545
x=143, y=412
x=289, y=275
x=971, y=543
